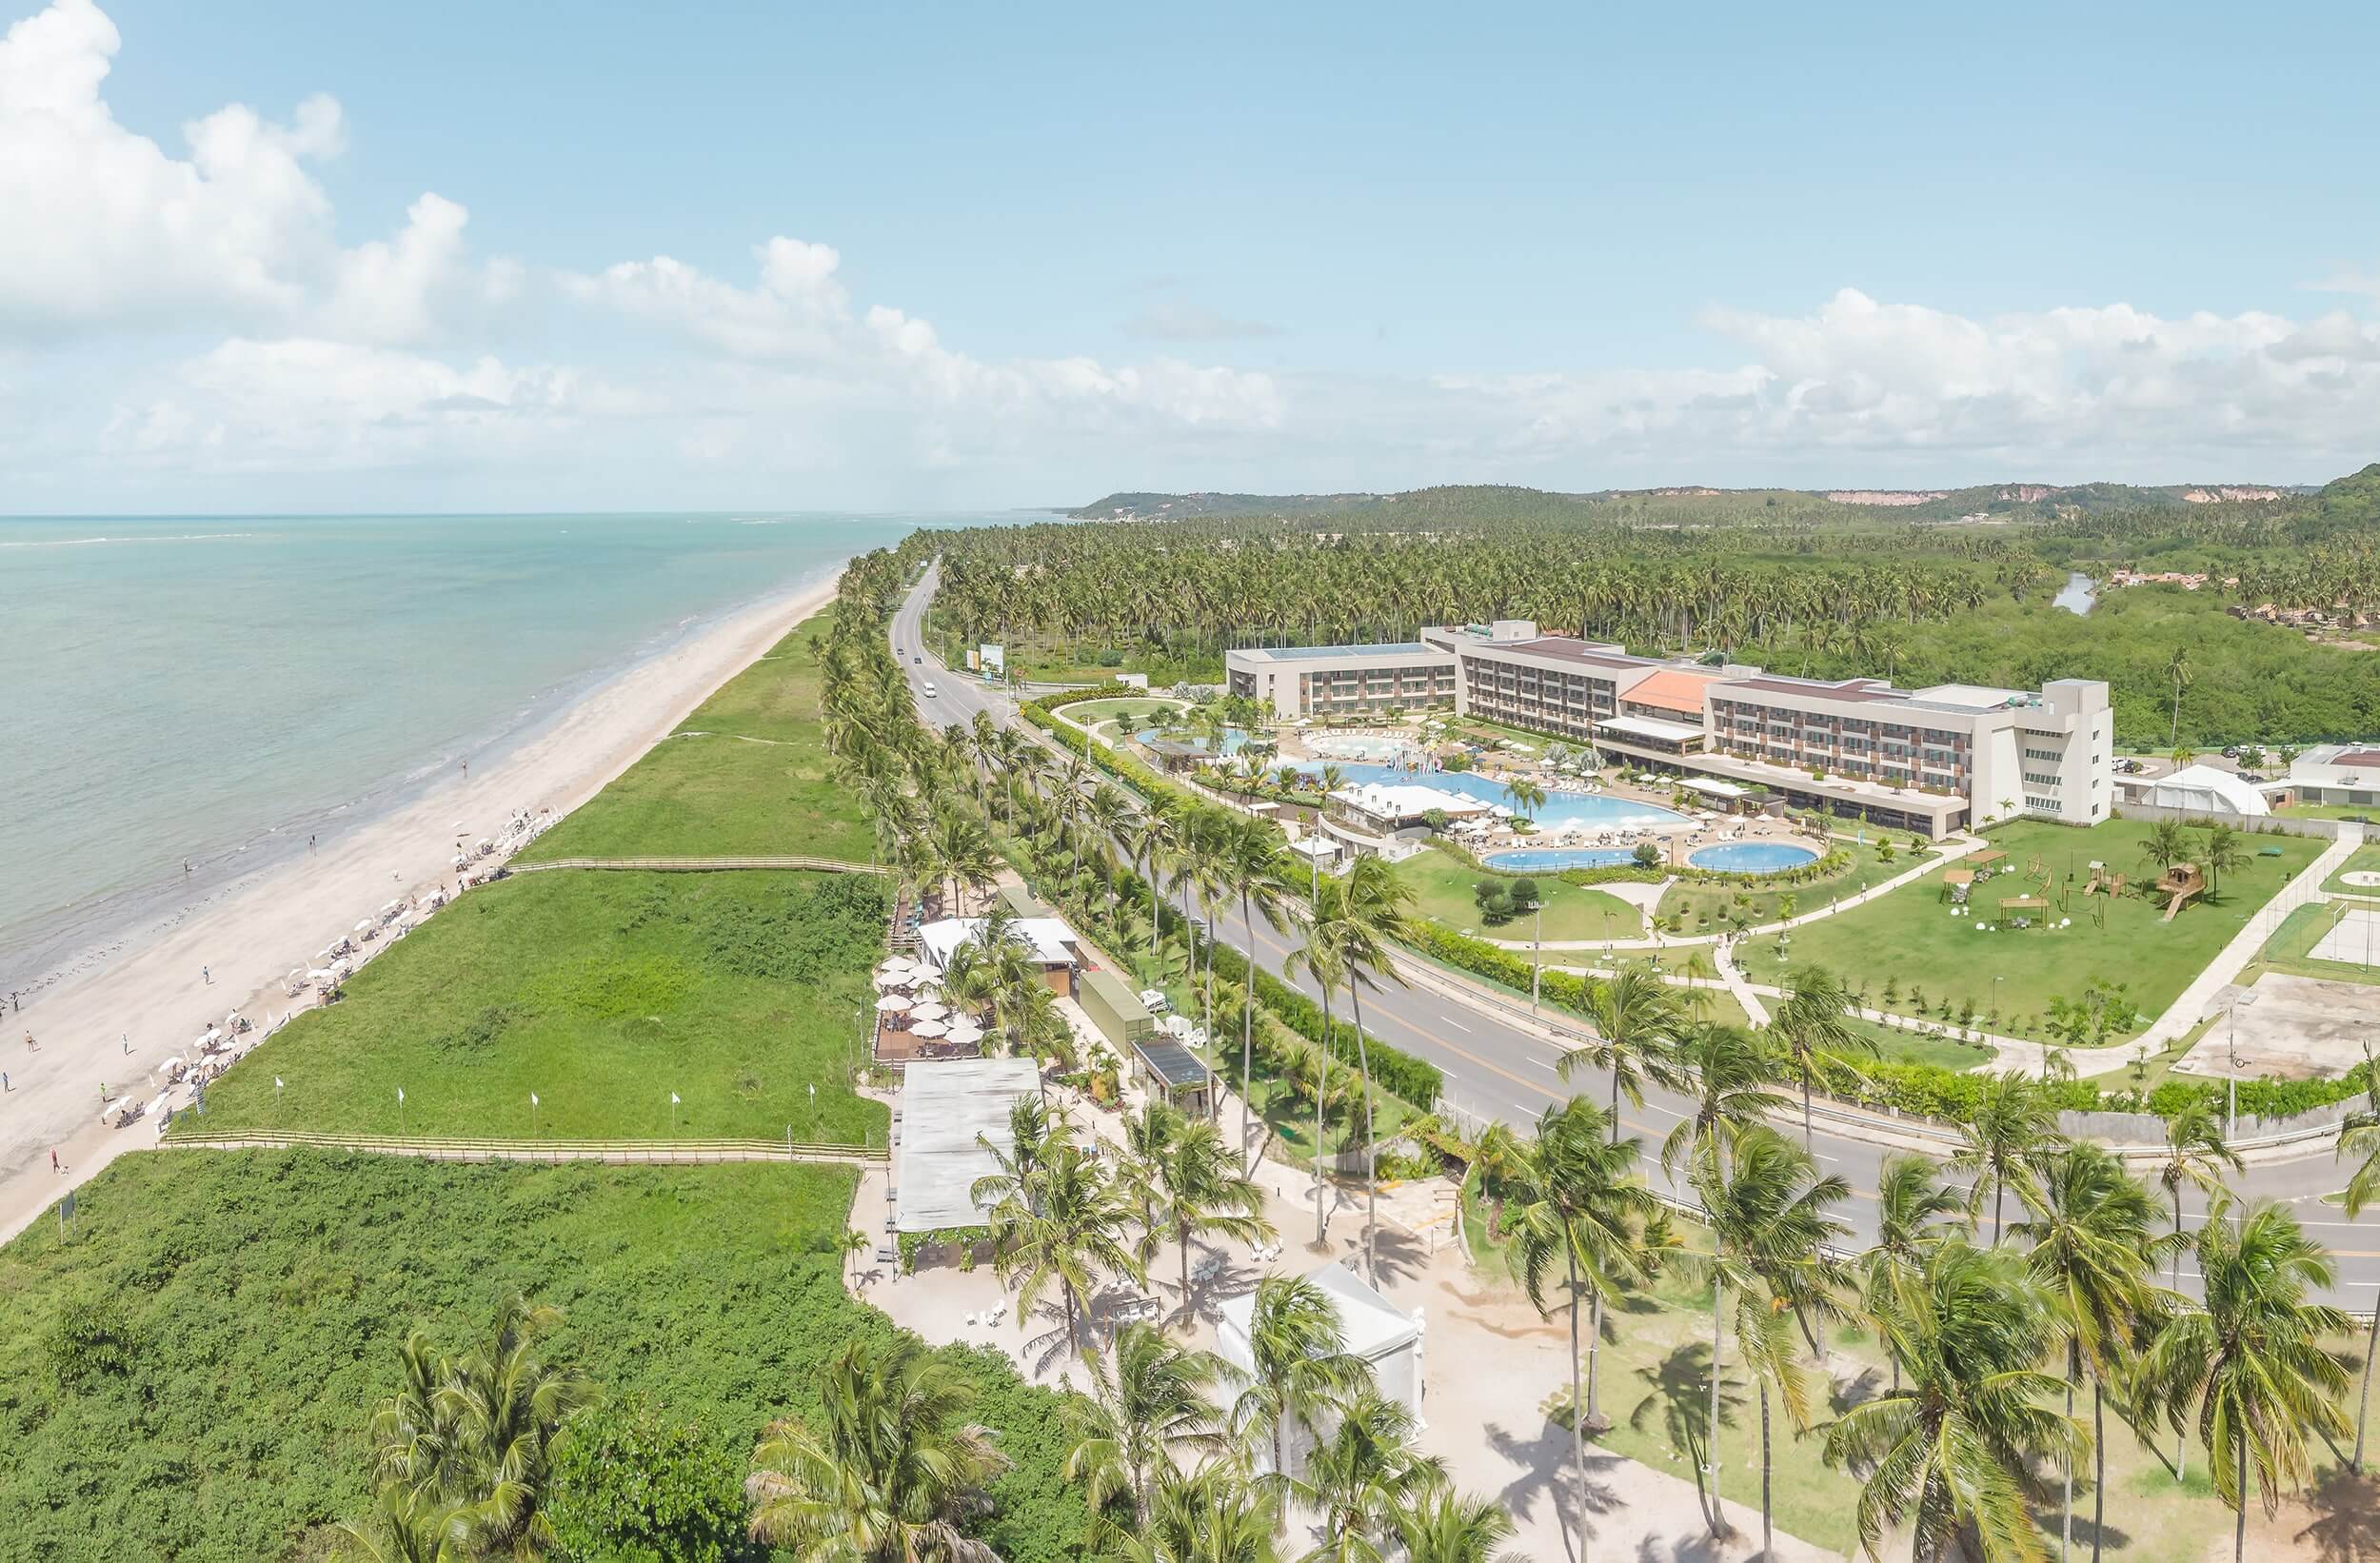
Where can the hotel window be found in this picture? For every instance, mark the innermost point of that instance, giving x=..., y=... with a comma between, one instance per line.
x=2045, y=806
x=2033, y=779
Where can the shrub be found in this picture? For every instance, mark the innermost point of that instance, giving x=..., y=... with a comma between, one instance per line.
x=634, y=1485
x=1646, y=854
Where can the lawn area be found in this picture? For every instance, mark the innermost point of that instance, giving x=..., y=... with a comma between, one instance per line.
x=604, y=993
x=2329, y=811
x=188, y=1372
x=1702, y=907
x=1897, y=1046
x=745, y=774
x=1909, y=939
x=1442, y=892
x=1090, y=713
x=2364, y=860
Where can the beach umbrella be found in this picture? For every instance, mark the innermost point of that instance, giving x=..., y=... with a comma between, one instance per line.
x=928, y=1028
x=964, y=1032
x=891, y=1004
x=896, y=966
x=929, y=1011
x=887, y=979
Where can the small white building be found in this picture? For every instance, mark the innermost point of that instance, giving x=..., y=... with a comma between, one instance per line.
x=1386, y=807
x=1373, y=1328
x=2198, y=789
x=2347, y=774
x=1051, y=941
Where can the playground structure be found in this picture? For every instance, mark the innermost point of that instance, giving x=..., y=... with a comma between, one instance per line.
x=2103, y=882
x=2180, y=882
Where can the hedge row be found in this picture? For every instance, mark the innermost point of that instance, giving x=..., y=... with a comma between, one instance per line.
x=1398, y=1073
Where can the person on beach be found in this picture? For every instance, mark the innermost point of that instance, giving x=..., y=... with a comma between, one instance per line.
x=30, y=1045
x=208, y=973
x=5, y=1086
x=54, y=1160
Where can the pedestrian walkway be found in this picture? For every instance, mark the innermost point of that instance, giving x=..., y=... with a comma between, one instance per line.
x=1951, y=852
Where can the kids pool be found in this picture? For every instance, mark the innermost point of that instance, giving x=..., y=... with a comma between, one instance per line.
x=1553, y=859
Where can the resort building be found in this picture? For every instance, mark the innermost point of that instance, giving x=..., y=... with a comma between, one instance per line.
x=1931, y=760
x=2345, y=774
x=1336, y=680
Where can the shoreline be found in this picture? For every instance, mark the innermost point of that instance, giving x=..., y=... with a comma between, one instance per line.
x=116, y=1023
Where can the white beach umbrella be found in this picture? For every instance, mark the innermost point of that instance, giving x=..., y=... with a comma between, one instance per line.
x=928, y=1028
x=964, y=1032
x=896, y=966
x=891, y=1004
x=887, y=979
x=929, y=1011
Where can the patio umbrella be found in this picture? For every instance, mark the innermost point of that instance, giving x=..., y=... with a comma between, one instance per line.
x=889, y=980
x=965, y=1031
x=896, y=966
x=891, y=1004
x=928, y=1011
x=928, y=1028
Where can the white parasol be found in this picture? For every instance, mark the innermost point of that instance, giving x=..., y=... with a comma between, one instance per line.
x=929, y=1011
x=965, y=1031
x=891, y=1004
x=928, y=1028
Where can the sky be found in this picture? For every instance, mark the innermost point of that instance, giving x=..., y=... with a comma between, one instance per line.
x=267, y=255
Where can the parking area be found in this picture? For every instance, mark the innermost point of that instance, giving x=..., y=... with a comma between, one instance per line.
x=2293, y=1028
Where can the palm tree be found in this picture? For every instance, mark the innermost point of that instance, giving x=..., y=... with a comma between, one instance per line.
x=404, y=1526
x=2013, y=1124
x=2164, y=845
x=469, y=1437
x=962, y=854
x=1952, y=1453
x=1810, y=1027
x=1154, y=842
x=1374, y=903
x=1256, y=862
x=2093, y=1255
x=1143, y=1419
x=1198, y=1188
x=1062, y=1222
x=1770, y=1229
x=1300, y=1365
x=2195, y=1157
x=1635, y=1021
x=887, y=1474
x=1363, y=1476
x=1322, y=958
x=1915, y=1216
x=2220, y=850
x=1214, y=1514
x=2360, y=1138
x=2177, y=669
x=2248, y=1365
x=1452, y=1528
x=1725, y=1071
x=1574, y=1200
x=1524, y=795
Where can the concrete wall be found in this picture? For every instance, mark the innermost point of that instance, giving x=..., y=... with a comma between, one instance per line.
x=2327, y=830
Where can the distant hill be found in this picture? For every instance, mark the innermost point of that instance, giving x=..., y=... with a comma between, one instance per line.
x=1464, y=502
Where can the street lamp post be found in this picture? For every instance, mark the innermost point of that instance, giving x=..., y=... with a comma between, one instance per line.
x=1537, y=952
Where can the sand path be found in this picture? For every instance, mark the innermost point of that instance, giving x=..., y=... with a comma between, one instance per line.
x=118, y=1023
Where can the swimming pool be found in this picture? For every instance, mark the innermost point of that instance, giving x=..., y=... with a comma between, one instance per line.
x=1553, y=859
x=1561, y=809
x=1753, y=857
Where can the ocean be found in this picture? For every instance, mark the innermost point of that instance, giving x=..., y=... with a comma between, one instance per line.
x=217, y=688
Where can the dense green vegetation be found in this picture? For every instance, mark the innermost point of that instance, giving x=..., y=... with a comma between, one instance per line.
x=603, y=991
x=188, y=1372
x=1785, y=580
x=747, y=773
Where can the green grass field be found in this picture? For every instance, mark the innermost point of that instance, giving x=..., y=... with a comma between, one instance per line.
x=2329, y=811
x=1909, y=937
x=2364, y=860
x=1703, y=908
x=745, y=774
x=603, y=991
x=1442, y=886
x=190, y=1372
x=2290, y=948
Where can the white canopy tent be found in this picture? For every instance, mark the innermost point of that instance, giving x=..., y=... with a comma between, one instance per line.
x=1376, y=1331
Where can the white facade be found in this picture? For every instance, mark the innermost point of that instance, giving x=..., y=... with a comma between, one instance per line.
x=2200, y=789
x=1374, y=1330
x=2345, y=774
x=1326, y=681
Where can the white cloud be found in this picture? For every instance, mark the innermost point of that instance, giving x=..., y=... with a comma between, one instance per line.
x=1176, y=320
x=101, y=229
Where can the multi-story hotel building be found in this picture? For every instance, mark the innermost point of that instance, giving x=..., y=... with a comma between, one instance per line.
x=1331, y=680
x=1931, y=761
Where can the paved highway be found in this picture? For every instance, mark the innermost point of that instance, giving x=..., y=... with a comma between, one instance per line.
x=1498, y=1068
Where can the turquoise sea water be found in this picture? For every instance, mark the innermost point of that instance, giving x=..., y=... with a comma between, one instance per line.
x=216, y=688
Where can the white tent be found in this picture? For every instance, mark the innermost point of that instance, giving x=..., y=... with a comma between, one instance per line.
x=2201, y=789
x=1388, y=1340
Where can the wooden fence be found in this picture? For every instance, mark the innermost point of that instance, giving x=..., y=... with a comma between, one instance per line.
x=629, y=1151
x=700, y=865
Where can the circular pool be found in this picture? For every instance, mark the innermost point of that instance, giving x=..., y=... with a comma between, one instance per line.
x=1553, y=859
x=1753, y=857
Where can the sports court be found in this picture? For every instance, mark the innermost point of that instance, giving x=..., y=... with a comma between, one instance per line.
x=2354, y=941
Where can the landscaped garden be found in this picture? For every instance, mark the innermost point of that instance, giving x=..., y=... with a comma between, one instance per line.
x=1701, y=907
x=604, y=992
x=190, y=1369
x=1908, y=952
x=1445, y=890
x=745, y=774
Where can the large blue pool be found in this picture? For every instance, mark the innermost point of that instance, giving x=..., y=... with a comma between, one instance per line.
x=1553, y=859
x=1561, y=808
x=1752, y=857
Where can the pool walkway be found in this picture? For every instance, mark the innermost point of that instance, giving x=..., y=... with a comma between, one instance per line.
x=1951, y=852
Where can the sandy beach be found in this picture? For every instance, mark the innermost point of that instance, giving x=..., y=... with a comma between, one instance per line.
x=115, y=1025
